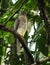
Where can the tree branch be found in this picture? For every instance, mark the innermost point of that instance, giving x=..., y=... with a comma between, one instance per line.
x=21, y=39
x=3, y=10
x=14, y=12
x=23, y=42
x=44, y=60
x=41, y=5
x=38, y=62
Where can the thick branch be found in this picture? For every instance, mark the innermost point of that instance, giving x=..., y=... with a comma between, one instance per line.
x=41, y=5
x=21, y=39
x=14, y=12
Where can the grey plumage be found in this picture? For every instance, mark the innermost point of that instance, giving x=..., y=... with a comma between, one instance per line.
x=20, y=26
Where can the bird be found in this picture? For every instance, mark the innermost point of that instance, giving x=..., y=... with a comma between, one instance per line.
x=20, y=25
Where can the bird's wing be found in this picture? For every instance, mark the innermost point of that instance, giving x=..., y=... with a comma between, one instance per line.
x=16, y=24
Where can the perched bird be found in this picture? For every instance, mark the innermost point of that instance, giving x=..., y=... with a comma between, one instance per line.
x=20, y=26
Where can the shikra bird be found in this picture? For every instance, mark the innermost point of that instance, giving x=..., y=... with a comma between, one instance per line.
x=20, y=26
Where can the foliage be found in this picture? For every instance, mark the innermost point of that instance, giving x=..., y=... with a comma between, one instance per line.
x=8, y=13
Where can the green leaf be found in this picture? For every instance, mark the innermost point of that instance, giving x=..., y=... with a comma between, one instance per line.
x=26, y=36
x=41, y=43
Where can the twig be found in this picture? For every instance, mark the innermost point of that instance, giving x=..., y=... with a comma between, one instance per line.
x=14, y=12
x=44, y=60
x=3, y=10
